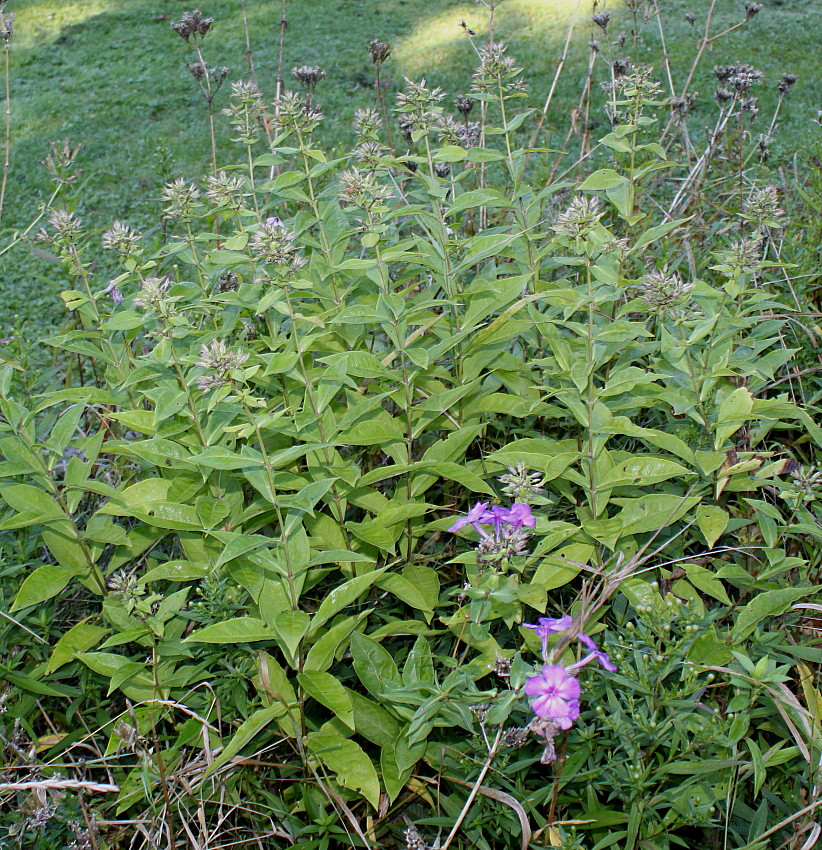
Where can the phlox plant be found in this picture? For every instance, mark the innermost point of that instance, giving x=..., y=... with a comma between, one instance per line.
x=399, y=497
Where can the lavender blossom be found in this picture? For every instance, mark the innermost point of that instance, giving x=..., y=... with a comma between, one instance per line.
x=114, y=292
x=478, y=515
x=557, y=695
x=595, y=653
x=510, y=528
x=549, y=626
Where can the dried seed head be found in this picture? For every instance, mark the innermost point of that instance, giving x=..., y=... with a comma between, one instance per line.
x=192, y=24
x=509, y=542
x=723, y=96
x=122, y=239
x=379, y=51
x=245, y=110
x=745, y=254
x=308, y=76
x=6, y=26
x=197, y=70
x=601, y=19
x=663, y=292
x=748, y=104
x=468, y=134
x=361, y=189
x=786, y=83
x=739, y=76
x=60, y=161
x=420, y=104
x=752, y=9
x=497, y=70
x=123, y=583
x=690, y=18
x=621, y=67
x=515, y=737
x=502, y=667
x=369, y=154
x=228, y=282
x=807, y=483
x=407, y=127
x=292, y=113
x=464, y=105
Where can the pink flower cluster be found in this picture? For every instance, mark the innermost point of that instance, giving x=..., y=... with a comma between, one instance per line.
x=555, y=687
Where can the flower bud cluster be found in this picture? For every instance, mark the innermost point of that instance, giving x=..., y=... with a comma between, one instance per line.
x=224, y=191
x=245, y=111
x=663, y=292
x=122, y=239
x=180, y=199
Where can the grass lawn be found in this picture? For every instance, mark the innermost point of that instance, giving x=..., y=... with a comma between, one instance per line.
x=110, y=74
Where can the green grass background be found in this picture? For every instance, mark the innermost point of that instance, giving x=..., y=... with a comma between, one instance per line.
x=110, y=74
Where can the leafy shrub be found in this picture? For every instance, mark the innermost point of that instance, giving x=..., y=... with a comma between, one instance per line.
x=242, y=507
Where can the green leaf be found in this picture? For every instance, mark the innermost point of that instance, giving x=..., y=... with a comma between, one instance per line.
x=771, y=603
x=65, y=429
x=44, y=583
x=406, y=591
x=642, y=471
x=215, y=457
x=291, y=627
x=347, y=760
x=322, y=654
x=341, y=597
x=24, y=497
x=734, y=412
x=393, y=777
x=79, y=638
x=176, y=571
x=247, y=732
x=703, y=579
x=605, y=178
x=372, y=721
x=328, y=691
x=236, y=630
x=374, y=665
x=712, y=522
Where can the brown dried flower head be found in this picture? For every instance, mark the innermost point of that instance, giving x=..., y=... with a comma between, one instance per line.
x=379, y=51
x=192, y=25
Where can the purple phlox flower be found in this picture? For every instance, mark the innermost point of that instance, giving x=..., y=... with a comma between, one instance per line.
x=557, y=695
x=549, y=626
x=520, y=515
x=478, y=515
x=594, y=653
x=114, y=292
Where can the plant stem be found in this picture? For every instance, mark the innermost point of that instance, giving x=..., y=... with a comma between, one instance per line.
x=7, y=143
